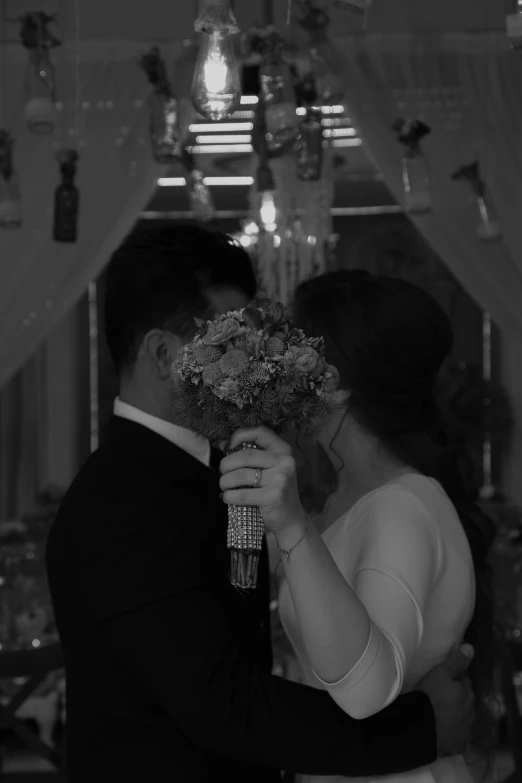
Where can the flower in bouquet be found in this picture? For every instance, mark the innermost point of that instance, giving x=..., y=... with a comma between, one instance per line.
x=252, y=367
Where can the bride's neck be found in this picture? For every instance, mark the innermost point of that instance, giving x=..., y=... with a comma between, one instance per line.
x=362, y=466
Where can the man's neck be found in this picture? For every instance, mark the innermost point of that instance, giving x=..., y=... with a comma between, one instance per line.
x=146, y=404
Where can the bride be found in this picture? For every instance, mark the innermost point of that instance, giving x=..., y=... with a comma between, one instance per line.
x=393, y=574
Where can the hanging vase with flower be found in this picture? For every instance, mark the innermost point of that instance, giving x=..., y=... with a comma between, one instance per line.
x=66, y=198
x=325, y=60
x=277, y=91
x=415, y=175
x=39, y=78
x=164, y=119
x=200, y=197
x=488, y=228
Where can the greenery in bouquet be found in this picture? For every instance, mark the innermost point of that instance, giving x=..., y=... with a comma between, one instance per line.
x=252, y=367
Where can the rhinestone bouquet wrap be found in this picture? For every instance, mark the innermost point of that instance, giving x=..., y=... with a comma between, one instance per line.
x=250, y=368
x=244, y=539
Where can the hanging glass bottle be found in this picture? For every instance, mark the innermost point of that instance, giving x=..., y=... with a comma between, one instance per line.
x=277, y=91
x=39, y=78
x=264, y=207
x=200, y=198
x=325, y=60
x=66, y=198
x=10, y=208
x=415, y=175
x=514, y=29
x=310, y=146
x=164, y=126
x=488, y=228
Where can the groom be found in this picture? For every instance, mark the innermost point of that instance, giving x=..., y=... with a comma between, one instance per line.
x=168, y=666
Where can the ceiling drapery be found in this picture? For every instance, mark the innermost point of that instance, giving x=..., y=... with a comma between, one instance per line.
x=464, y=85
x=467, y=87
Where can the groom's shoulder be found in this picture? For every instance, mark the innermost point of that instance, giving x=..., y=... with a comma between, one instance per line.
x=117, y=485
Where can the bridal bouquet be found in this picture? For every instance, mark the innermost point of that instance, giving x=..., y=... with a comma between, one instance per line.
x=248, y=368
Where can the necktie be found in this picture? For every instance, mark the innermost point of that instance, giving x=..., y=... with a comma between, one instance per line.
x=215, y=458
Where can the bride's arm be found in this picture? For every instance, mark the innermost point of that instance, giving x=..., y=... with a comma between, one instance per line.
x=360, y=638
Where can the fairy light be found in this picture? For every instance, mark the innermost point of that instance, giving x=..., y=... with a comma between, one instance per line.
x=212, y=138
x=172, y=182
x=224, y=127
x=178, y=182
x=215, y=149
x=339, y=132
x=346, y=143
x=330, y=122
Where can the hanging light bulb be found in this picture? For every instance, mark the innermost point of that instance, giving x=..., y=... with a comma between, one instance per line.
x=267, y=210
x=266, y=190
x=216, y=87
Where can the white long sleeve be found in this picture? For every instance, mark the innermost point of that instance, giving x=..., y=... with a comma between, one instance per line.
x=398, y=556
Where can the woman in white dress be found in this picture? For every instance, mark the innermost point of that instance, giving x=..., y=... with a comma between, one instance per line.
x=394, y=573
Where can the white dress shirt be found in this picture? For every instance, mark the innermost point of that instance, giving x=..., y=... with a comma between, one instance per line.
x=195, y=445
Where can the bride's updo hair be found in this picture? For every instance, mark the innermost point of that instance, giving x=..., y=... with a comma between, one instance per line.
x=388, y=339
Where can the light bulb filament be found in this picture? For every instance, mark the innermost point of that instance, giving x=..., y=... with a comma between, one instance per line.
x=268, y=212
x=216, y=72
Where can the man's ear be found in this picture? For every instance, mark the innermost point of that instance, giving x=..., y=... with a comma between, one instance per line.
x=161, y=348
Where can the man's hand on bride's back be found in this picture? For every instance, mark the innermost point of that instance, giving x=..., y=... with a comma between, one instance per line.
x=451, y=695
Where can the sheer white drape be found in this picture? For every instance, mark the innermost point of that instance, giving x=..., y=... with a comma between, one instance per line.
x=467, y=88
x=39, y=278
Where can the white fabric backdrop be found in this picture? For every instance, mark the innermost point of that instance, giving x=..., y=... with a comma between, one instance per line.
x=467, y=88
x=39, y=278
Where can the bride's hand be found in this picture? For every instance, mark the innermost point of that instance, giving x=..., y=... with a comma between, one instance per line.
x=266, y=478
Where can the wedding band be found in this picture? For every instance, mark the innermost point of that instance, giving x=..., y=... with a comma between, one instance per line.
x=257, y=478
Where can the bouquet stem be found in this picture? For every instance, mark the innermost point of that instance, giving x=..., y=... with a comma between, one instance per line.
x=244, y=539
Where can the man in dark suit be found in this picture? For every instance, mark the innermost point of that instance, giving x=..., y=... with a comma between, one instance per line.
x=168, y=666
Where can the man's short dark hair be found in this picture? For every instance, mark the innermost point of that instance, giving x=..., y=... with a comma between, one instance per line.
x=159, y=278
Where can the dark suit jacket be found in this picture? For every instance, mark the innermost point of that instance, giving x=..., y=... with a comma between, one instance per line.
x=168, y=666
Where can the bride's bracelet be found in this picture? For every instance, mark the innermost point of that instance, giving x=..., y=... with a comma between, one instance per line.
x=286, y=552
